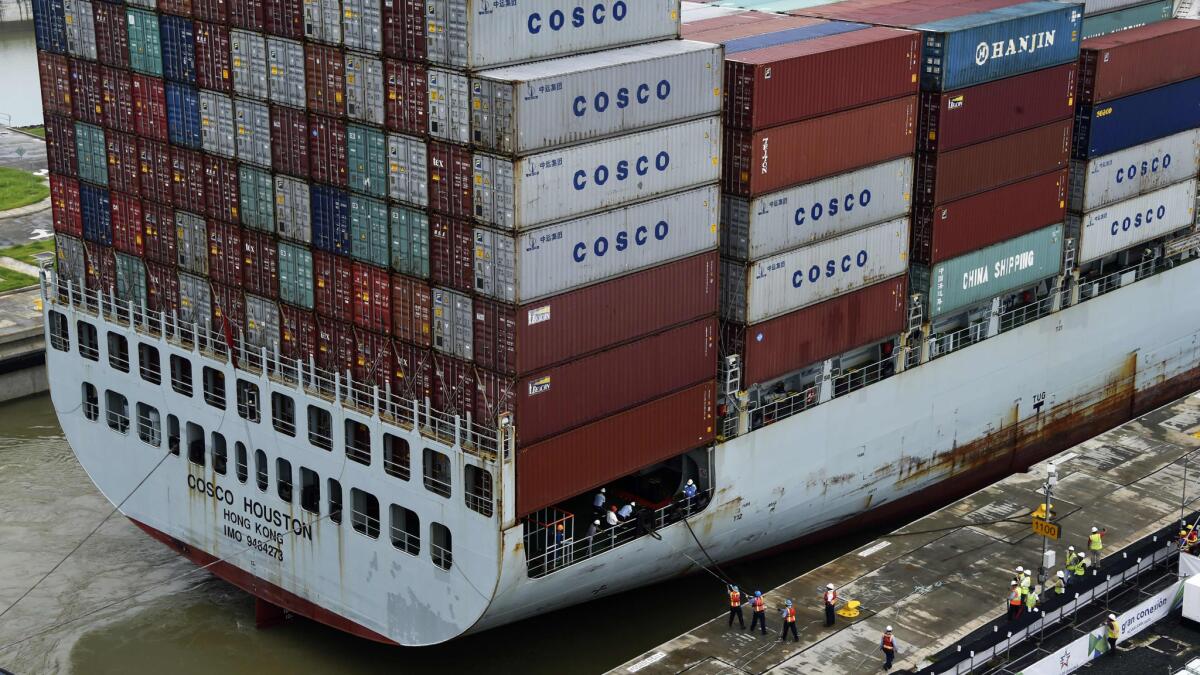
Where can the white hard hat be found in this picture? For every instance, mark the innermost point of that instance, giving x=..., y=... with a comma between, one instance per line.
x=1070, y=548
x=1112, y=617
x=595, y=522
x=1062, y=575
x=1012, y=583
x=1095, y=530
x=632, y=503
x=689, y=481
x=889, y=629
x=829, y=586
x=601, y=489
x=1020, y=569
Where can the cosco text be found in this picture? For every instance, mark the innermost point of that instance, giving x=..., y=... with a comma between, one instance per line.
x=579, y=17
x=832, y=267
x=641, y=94
x=641, y=166
x=600, y=246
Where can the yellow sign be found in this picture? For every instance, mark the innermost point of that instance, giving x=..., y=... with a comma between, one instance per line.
x=1046, y=529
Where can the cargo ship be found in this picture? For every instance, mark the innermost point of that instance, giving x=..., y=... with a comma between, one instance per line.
x=417, y=319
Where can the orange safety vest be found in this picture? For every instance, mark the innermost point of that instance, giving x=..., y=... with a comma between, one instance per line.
x=735, y=599
x=1193, y=536
x=831, y=597
x=887, y=642
x=1015, y=597
x=791, y=615
x=759, y=604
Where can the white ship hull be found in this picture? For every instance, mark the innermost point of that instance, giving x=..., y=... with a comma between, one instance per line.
x=932, y=431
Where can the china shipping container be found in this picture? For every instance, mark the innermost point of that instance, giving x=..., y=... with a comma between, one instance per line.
x=962, y=117
x=954, y=228
x=453, y=314
x=412, y=307
x=60, y=145
x=409, y=241
x=145, y=50
x=367, y=160
x=1127, y=18
x=333, y=286
x=260, y=264
x=449, y=106
x=96, y=207
x=191, y=243
x=325, y=85
x=158, y=233
x=1119, y=226
x=81, y=29
x=248, y=59
x=327, y=150
x=406, y=92
x=759, y=162
x=408, y=170
x=450, y=175
x=946, y=176
x=112, y=35
x=757, y=291
x=87, y=92
x=221, y=188
x=126, y=223
x=213, y=69
x=149, y=107
x=54, y=74
x=65, y=210
x=178, y=48
x=187, y=180
x=162, y=288
x=298, y=333
x=123, y=170
x=557, y=258
x=362, y=25
x=225, y=253
x=1134, y=171
x=591, y=96
x=517, y=340
x=603, y=451
x=330, y=220
x=372, y=298
x=218, y=133
x=70, y=260
x=451, y=253
x=154, y=164
x=253, y=125
x=1138, y=59
x=293, y=213
x=91, y=153
x=296, y=282
x=1133, y=120
x=780, y=221
x=118, y=99
x=195, y=300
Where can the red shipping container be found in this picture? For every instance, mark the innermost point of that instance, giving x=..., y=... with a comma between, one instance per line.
x=871, y=65
x=87, y=96
x=154, y=164
x=949, y=230
x=404, y=29
x=54, y=73
x=212, y=57
x=289, y=141
x=123, y=172
x=450, y=180
x=946, y=176
x=126, y=222
x=412, y=303
x=65, y=211
x=374, y=363
x=101, y=267
x=519, y=340
x=225, y=253
x=221, y=188
x=998, y=108
x=412, y=372
x=162, y=288
x=117, y=86
x=112, y=35
x=451, y=253
x=187, y=180
x=150, y=107
x=60, y=145
x=327, y=150
x=764, y=161
x=406, y=95
x=372, y=298
x=335, y=347
x=284, y=18
x=260, y=264
x=214, y=11
x=158, y=232
x=722, y=29
x=1135, y=60
x=228, y=312
x=246, y=14
x=180, y=7
x=601, y=452
x=298, y=333
x=333, y=287
x=453, y=385
x=325, y=79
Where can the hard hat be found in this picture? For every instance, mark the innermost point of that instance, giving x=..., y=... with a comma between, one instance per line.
x=602, y=490
x=1012, y=583
x=758, y=594
x=1062, y=575
x=595, y=522
x=1112, y=617
x=632, y=503
x=788, y=603
x=1020, y=569
x=689, y=481
x=1070, y=548
x=829, y=586
x=889, y=629
x=733, y=586
x=1095, y=530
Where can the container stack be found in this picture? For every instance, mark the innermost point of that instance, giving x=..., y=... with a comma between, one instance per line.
x=1104, y=17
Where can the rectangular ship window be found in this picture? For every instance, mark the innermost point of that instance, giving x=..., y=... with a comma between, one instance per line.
x=283, y=478
x=118, y=352
x=358, y=442
x=310, y=490
x=89, y=341
x=91, y=402
x=243, y=463
x=406, y=530
x=214, y=387
x=148, y=364
x=173, y=434
x=335, y=501
x=118, y=411
x=149, y=425
x=220, y=453
x=260, y=470
x=478, y=492
x=283, y=414
x=320, y=428
x=441, y=548
x=181, y=375
x=195, y=443
x=364, y=513
x=437, y=472
x=60, y=337
x=247, y=401
x=395, y=456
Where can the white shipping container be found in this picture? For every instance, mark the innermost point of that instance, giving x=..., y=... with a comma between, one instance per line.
x=477, y=34
x=323, y=21
x=71, y=265
x=449, y=105
x=1091, y=7
x=262, y=323
x=292, y=203
x=691, y=12
x=248, y=58
x=195, y=300
x=1134, y=171
x=191, y=243
x=285, y=71
x=361, y=24
x=253, y=125
x=521, y=109
x=1119, y=226
x=557, y=258
x=217, y=124
x=453, y=324
x=364, y=88
x=81, y=29
x=407, y=170
x=551, y=186
x=780, y=284
x=781, y=221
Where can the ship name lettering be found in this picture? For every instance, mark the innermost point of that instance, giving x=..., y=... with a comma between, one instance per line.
x=274, y=517
x=210, y=489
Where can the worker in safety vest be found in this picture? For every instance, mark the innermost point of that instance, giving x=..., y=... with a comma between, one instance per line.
x=735, y=607
x=1069, y=563
x=1031, y=599
x=1081, y=565
x=1193, y=537
x=1026, y=582
x=1096, y=542
x=1112, y=632
x=1059, y=584
x=760, y=612
x=888, y=646
x=1014, y=601
x=789, y=622
x=831, y=599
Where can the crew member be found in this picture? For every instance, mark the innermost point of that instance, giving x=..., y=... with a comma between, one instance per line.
x=831, y=599
x=1026, y=582
x=626, y=511
x=1113, y=631
x=689, y=496
x=888, y=645
x=1193, y=536
x=611, y=517
x=760, y=612
x=1072, y=559
x=1014, y=601
x=789, y=623
x=1031, y=599
x=1096, y=542
x=1059, y=584
x=598, y=502
x=735, y=607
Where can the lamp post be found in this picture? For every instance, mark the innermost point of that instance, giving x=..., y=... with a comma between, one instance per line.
x=1048, y=486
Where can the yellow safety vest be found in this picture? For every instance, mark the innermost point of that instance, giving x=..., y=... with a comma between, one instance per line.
x=1059, y=587
x=1031, y=600
x=1094, y=541
x=1114, y=630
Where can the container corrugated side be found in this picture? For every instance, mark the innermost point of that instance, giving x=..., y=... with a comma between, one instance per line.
x=70, y=259
x=1133, y=120
x=1128, y=223
x=453, y=328
x=263, y=327
x=1134, y=171
x=64, y=206
x=362, y=26
x=782, y=283
x=296, y=275
x=603, y=451
x=87, y=92
x=1129, y=17
x=81, y=29
x=285, y=72
x=1091, y=7
x=409, y=241
x=213, y=69
x=218, y=133
x=412, y=307
x=248, y=56
x=364, y=85
x=123, y=172
x=112, y=36
x=581, y=98
x=560, y=184
x=252, y=124
x=256, y=196
x=1139, y=59
x=780, y=221
x=117, y=86
x=558, y=258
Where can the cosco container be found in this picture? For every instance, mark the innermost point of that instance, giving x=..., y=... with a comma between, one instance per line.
x=765, y=161
x=555, y=185
x=112, y=35
x=780, y=221
x=131, y=280
x=407, y=170
x=370, y=238
x=296, y=275
x=212, y=58
x=217, y=129
x=65, y=210
x=364, y=87
x=1134, y=171
x=1139, y=59
x=603, y=451
x=557, y=258
x=531, y=107
x=145, y=50
x=96, y=208
x=409, y=241
x=263, y=328
x=195, y=300
x=1106, y=128
x=412, y=304
x=334, y=287
x=449, y=106
x=361, y=24
x=256, y=194
x=81, y=29
x=987, y=273
x=1119, y=226
x=1126, y=18
x=87, y=92
x=71, y=261
x=453, y=329
x=372, y=298
x=260, y=264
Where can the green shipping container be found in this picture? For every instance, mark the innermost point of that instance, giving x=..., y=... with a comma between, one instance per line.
x=257, y=197
x=995, y=270
x=366, y=153
x=295, y=275
x=145, y=50
x=1126, y=18
x=369, y=235
x=131, y=280
x=410, y=241
x=93, y=157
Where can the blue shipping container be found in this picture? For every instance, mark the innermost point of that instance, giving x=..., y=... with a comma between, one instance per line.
x=178, y=48
x=183, y=115
x=1133, y=120
x=791, y=35
x=975, y=48
x=50, y=26
x=97, y=214
x=331, y=220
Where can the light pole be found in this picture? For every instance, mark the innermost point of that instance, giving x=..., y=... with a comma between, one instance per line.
x=1048, y=486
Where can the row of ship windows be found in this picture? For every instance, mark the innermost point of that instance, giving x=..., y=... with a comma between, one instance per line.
x=405, y=524
x=396, y=460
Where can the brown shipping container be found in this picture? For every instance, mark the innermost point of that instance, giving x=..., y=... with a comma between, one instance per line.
x=221, y=187
x=215, y=11
x=964, y=117
x=65, y=210
x=325, y=75
x=946, y=176
x=327, y=150
x=787, y=343
x=404, y=29
x=123, y=171
x=373, y=359
x=260, y=264
x=406, y=95
x=212, y=57
x=603, y=451
x=162, y=288
x=284, y=18
x=180, y=7
x=763, y=161
x=101, y=267
x=54, y=73
x=450, y=176
x=453, y=383
x=87, y=94
x=154, y=165
x=451, y=253
x=949, y=230
x=1135, y=60
x=722, y=29
x=519, y=340
x=831, y=73
x=411, y=310
x=158, y=232
x=412, y=372
x=126, y=218
x=247, y=14
x=298, y=333
x=225, y=253
x=372, y=298
x=333, y=286
x=289, y=141
x=60, y=145
x=228, y=311
x=187, y=180
x=149, y=107
x=335, y=346
x=112, y=35
x=118, y=100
